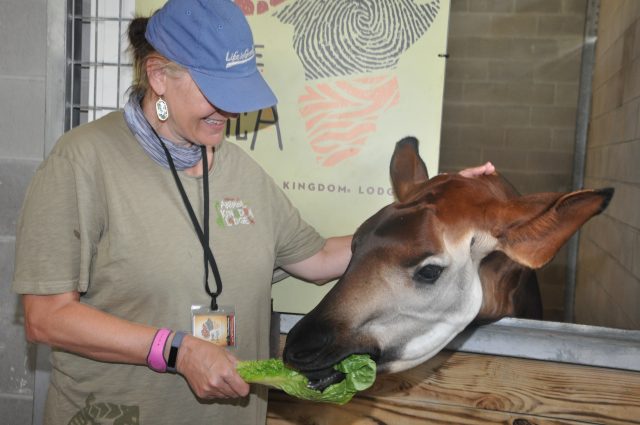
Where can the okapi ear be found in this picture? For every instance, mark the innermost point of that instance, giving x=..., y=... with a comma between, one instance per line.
x=407, y=169
x=534, y=227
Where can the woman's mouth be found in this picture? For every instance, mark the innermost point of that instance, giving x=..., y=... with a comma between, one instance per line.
x=214, y=122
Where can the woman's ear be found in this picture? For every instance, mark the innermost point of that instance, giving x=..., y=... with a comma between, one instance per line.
x=155, y=68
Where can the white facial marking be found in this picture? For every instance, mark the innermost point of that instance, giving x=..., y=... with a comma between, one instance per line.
x=484, y=243
x=442, y=331
x=436, y=313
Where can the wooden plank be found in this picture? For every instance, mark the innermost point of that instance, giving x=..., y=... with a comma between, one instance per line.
x=479, y=387
x=519, y=385
x=381, y=411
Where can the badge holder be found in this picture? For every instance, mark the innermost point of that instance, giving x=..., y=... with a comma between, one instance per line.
x=216, y=326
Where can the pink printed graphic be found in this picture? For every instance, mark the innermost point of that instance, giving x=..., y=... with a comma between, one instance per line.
x=341, y=115
x=249, y=7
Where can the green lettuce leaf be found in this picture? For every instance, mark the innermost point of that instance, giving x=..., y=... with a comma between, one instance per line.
x=359, y=370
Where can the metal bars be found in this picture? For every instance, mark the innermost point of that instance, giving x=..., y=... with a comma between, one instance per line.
x=99, y=70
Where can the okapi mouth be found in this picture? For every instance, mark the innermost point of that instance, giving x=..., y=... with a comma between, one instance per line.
x=319, y=380
x=319, y=370
x=321, y=377
x=314, y=348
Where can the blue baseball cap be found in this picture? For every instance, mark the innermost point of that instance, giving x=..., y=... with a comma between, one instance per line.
x=213, y=41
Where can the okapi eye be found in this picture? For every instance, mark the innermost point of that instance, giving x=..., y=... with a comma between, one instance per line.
x=429, y=273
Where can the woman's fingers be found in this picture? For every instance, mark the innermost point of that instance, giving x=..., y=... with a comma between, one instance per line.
x=210, y=370
x=486, y=168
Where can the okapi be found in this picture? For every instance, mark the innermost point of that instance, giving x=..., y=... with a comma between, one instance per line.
x=450, y=251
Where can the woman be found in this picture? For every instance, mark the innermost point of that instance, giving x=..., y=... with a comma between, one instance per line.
x=118, y=256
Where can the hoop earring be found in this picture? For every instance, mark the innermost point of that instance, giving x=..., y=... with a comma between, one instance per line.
x=162, y=110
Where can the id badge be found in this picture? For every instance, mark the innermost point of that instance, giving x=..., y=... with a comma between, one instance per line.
x=218, y=327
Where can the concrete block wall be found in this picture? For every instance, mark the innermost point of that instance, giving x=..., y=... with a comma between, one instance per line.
x=510, y=97
x=23, y=26
x=608, y=279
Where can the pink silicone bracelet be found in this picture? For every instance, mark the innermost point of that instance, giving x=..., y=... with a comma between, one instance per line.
x=155, y=358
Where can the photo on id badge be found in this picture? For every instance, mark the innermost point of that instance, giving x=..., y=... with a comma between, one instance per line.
x=216, y=326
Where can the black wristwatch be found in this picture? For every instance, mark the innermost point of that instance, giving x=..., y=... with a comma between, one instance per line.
x=173, y=352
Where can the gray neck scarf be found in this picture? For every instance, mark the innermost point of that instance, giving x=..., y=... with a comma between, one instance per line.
x=183, y=156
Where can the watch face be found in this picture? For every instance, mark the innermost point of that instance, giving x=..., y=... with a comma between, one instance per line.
x=173, y=352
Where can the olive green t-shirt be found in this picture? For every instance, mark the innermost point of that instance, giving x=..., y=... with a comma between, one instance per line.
x=102, y=218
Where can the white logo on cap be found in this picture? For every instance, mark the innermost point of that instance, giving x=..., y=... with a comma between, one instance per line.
x=238, y=57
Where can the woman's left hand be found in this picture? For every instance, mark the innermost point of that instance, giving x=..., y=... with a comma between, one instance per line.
x=487, y=168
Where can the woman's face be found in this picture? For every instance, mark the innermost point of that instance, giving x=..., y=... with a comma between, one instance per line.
x=192, y=119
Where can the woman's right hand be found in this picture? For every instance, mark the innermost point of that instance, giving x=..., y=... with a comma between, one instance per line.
x=209, y=369
x=62, y=321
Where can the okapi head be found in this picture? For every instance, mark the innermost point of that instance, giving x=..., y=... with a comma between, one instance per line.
x=449, y=251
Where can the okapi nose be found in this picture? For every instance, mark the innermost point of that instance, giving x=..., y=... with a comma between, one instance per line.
x=305, y=343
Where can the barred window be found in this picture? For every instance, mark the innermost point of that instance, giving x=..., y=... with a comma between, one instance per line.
x=99, y=69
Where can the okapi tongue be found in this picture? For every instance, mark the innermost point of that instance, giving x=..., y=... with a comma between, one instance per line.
x=319, y=380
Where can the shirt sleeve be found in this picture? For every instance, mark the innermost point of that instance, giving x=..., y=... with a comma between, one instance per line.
x=57, y=231
x=296, y=239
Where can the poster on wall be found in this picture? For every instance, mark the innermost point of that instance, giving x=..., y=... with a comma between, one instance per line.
x=352, y=78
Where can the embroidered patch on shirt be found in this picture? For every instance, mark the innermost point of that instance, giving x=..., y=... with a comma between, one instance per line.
x=233, y=212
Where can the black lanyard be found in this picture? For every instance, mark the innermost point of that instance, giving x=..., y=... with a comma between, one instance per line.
x=203, y=236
